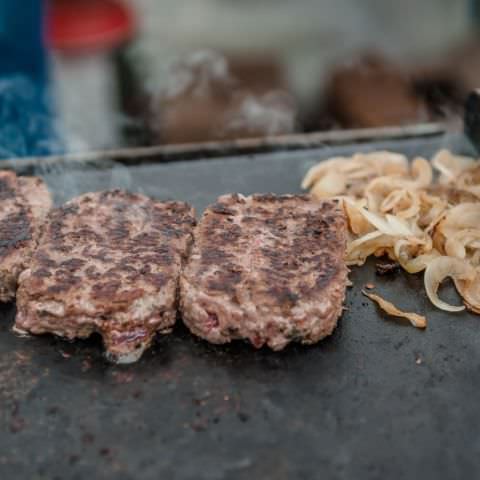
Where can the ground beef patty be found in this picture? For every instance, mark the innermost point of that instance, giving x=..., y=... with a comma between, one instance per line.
x=266, y=268
x=108, y=262
x=24, y=202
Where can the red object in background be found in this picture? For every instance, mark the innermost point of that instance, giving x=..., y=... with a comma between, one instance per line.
x=79, y=25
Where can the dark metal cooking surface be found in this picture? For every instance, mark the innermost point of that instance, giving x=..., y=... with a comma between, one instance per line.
x=378, y=399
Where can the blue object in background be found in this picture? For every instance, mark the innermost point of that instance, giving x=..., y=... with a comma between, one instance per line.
x=21, y=38
x=26, y=115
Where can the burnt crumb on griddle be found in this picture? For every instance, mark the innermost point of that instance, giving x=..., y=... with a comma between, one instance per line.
x=88, y=439
x=387, y=268
x=137, y=394
x=105, y=452
x=53, y=410
x=199, y=425
x=17, y=422
x=121, y=377
x=86, y=365
x=243, y=417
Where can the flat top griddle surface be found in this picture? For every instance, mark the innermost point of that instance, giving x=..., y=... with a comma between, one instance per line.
x=378, y=399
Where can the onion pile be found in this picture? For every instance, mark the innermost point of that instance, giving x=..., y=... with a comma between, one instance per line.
x=423, y=214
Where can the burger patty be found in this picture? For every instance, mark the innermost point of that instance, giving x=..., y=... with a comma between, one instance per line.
x=24, y=202
x=107, y=262
x=268, y=269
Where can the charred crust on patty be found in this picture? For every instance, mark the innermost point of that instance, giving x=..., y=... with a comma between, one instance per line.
x=25, y=203
x=109, y=263
x=270, y=272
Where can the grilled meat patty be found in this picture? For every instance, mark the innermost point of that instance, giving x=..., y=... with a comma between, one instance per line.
x=266, y=268
x=108, y=262
x=24, y=202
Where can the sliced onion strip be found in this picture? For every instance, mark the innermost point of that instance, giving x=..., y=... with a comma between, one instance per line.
x=438, y=270
x=416, y=320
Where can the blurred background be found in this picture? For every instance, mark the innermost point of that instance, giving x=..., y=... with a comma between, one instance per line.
x=81, y=75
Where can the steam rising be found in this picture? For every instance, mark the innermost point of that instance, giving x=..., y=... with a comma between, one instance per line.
x=271, y=114
x=122, y=179
x=26, y=126
x=197, y=73
x=67, y=181
x=201, y=85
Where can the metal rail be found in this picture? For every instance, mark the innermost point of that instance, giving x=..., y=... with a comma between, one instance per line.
x=232, y=147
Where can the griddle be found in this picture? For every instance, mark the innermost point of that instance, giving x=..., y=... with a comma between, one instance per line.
x=377, y=399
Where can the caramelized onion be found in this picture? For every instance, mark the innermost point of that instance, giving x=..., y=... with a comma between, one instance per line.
x=470, y=291
x=449, y=165
x=438, y=270
x=403, y=203
x=318, y=171
x=356, y=221
x=416, y=320
x=421, y=172
x=456, y=245
x=401, y=210
x=361, y=248
x=420, y=263
x=330, y=185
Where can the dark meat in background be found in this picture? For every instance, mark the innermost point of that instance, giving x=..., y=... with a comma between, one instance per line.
x=374, y=92
x=268, y=269
x=108, y=262
x=383, y=96
x=24, y=203
x=209, y=96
